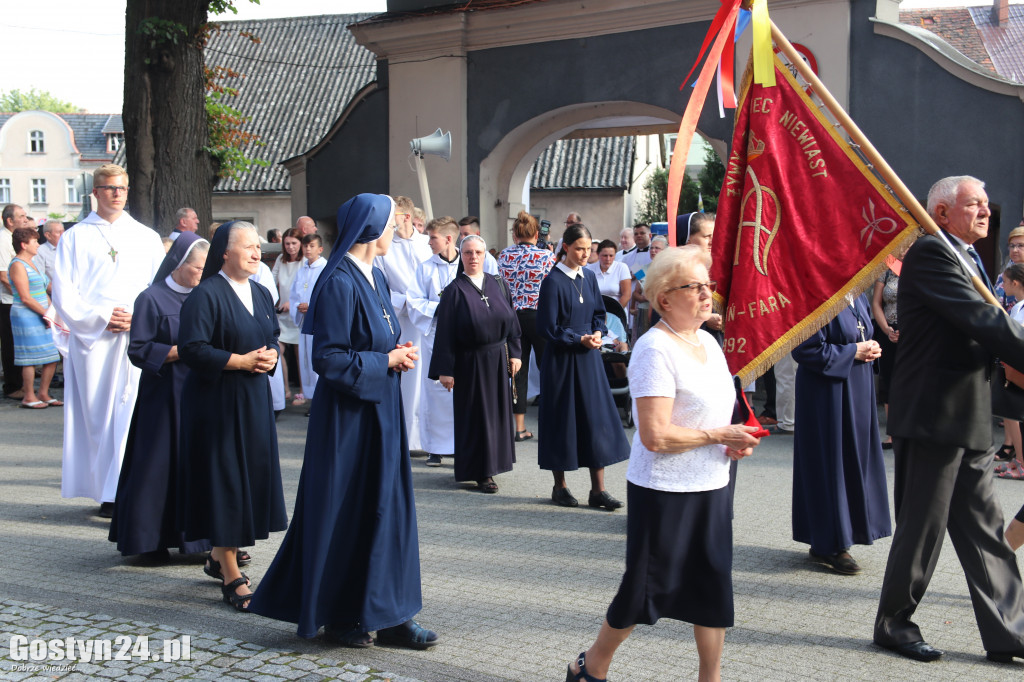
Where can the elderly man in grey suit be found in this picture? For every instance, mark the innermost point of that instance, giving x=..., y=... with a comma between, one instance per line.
x=940, y=420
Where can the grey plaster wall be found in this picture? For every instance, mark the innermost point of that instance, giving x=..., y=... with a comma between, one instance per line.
x=928, y=124
x=353, y=161
x=511, y=85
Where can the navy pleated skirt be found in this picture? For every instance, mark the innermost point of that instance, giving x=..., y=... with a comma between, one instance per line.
x=678, y=559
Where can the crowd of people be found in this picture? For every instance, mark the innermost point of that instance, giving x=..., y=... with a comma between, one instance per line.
x=414, y=336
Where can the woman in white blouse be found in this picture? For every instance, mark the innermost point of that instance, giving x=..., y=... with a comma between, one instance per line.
x=612, y=275
x=679, y=530
x=285, y=268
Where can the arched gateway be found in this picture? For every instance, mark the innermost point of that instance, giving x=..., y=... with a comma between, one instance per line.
x=508, y=78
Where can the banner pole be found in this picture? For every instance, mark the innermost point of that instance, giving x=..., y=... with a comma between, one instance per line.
x=872, y=155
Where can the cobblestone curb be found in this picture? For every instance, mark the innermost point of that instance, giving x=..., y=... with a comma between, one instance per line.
x=210, y=657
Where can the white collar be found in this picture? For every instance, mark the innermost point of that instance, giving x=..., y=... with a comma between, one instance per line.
x=572, y=274
x=961, y=242
x=174, y=286
x=365, y=268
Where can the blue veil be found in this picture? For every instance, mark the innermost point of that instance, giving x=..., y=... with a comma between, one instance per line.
x=177, y=254
x=361, y=220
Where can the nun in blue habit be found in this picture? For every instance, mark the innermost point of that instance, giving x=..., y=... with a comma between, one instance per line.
x=145, y=508
x=840, y=496
x=350, y=560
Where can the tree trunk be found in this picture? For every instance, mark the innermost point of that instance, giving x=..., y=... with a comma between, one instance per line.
x=165, y=114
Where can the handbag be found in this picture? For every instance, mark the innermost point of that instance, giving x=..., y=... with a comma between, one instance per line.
x=1007, y=393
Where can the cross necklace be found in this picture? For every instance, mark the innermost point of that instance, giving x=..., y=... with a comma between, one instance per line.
x=860, y=324
x=113, y=252
x=479, y=290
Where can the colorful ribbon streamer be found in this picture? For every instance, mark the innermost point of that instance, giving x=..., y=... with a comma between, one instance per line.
x=720, y=62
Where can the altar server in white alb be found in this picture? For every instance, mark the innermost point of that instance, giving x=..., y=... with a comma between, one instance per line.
x=408, y=249
x=313, y=264
x=437, y=411
x=102, y=264
x=265, y=277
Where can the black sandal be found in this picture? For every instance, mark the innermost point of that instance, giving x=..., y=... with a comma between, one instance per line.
x=487, y=486
x=582, y=675
x=523, y=435
x=242, y=557
x=1005, y=453
x=239, y=601
x=212, y=569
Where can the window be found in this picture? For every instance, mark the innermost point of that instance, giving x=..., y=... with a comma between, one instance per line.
x=72, y=193
x=5, y=191
x=38, y=191
x=36, y=143
x=114, y=142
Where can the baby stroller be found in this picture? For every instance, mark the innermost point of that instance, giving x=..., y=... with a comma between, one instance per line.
x=619, y=385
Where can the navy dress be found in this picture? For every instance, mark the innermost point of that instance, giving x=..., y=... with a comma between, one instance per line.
x=839, y=488
x=351, y=556
x=230, y=490
x=145, y=508
x=578, y=422
x=470, y=345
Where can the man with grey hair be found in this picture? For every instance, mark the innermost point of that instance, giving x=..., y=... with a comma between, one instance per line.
x=940, y=416
x=185, y=220
x=626, y=243
x=47, y=255
x=305, y=225
x=13, y=218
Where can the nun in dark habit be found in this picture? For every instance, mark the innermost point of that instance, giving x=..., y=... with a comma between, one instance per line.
x=145, y=508
x=230, y=477
x=350, y=561
x=839, y=490
x=579, y=423
x=476, y=346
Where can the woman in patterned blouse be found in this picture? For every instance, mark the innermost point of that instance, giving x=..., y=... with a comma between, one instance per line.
x=524, y=266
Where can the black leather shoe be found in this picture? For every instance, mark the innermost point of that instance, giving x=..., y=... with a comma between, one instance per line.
x=603, y=499
x=841, y=563
x=350, y=637
x=106, y=510
x=1004, y=656
x=918, y=651
x=563, y=498
x=409, y=634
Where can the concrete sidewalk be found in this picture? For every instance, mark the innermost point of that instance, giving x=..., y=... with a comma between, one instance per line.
x=514, y=585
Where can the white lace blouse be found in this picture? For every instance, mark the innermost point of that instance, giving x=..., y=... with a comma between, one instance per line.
x=703, y=399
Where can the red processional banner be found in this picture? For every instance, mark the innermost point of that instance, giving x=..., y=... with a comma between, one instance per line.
x=802, y=222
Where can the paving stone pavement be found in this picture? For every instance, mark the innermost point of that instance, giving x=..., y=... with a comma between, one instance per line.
x=514, y=585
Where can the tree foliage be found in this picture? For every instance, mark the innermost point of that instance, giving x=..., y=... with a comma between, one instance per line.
x=710, y=180
x=653, y=203
x=179, y=133
x=34, y=100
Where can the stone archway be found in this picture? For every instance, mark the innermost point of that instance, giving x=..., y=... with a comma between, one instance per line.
x=504, y=171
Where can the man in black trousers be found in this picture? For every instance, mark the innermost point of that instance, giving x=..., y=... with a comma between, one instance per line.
x=940, y=420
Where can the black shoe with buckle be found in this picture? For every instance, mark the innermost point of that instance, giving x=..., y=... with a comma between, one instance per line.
x=603, y=499
x=841, y=562
x=563, y=498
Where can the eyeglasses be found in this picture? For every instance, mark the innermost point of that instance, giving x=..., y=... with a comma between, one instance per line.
x=697, y=286
x=407, y=215
x=114, y=189
x=1017, y=246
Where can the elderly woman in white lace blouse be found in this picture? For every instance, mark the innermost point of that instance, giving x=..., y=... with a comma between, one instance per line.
x=679, y=530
